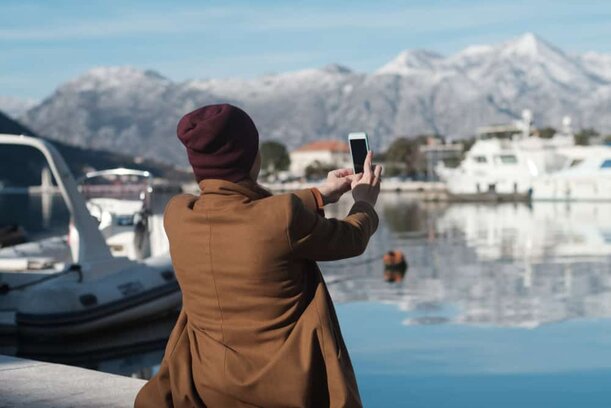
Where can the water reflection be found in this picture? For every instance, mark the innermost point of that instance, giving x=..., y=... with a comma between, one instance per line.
x=131, y=351
x=503, y=265
x=40, y=214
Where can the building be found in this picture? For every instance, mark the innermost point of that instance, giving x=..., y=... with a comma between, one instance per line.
x=333, y=153
x=435, y=151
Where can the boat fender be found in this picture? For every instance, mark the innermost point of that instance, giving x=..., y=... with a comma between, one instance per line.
x=167, y=275
x=88, y=300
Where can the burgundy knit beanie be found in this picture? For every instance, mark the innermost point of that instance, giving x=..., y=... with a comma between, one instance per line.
x=221, y=140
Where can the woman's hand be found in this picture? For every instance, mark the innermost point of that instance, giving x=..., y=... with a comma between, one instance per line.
x=366, y=186
x=338, y=182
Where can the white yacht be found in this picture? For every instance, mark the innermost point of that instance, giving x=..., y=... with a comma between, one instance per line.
x=505, y=168
x=48, y=290
x=585, y=177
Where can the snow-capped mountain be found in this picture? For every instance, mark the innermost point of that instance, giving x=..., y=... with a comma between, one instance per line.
x=417, y=92
x=15, y=107
x=412, y=62
x=598, y=64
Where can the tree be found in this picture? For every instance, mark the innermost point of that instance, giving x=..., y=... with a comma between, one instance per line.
x=583, y=137
x=318, y=170
x=403, y=156
x=547, y=132
x=274, y=157
x=468, y=143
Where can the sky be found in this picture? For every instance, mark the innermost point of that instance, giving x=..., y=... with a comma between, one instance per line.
x=44, y=43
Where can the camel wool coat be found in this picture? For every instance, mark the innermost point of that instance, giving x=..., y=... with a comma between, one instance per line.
x=257, y=327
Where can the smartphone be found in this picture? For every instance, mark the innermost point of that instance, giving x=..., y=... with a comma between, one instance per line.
x=359, y=146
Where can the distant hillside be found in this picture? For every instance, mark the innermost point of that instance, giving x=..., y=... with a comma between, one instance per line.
x=80, y=159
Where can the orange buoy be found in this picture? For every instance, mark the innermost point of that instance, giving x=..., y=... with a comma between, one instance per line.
x=395, y=266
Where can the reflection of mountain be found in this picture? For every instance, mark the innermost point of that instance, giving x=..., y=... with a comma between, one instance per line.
x=506, y=265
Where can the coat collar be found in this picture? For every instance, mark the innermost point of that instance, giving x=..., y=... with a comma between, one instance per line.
x=247, y=187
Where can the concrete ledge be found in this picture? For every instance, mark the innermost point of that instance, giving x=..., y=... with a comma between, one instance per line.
x=36, y=384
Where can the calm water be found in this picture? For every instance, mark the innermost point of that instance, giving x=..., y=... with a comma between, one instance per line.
x=502, y=305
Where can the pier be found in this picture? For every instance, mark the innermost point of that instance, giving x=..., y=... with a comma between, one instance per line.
x=28, y=383
x=421, y=190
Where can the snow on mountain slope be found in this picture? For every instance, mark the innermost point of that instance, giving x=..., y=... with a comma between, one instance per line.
x=417, y=92
x=597, y=64
x=411, y=62
x=112, y=108
x=15, y=107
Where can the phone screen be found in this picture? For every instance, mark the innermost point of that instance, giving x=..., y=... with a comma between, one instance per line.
x=359, y=152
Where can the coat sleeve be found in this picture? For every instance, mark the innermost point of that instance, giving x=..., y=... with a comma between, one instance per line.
x=309, y=199
x=312, y=236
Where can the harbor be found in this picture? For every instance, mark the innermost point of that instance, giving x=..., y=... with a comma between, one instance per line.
x=505, y=163
x=100, y=292
x=312, y=205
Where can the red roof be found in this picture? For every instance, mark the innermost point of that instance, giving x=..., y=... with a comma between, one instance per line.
x=335, y=146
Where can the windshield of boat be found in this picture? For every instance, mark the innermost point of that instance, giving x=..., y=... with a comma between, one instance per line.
x=31, y=206
x=120, y=185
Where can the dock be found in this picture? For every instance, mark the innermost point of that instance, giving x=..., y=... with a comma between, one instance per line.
x=424, y=190
x=28, y=383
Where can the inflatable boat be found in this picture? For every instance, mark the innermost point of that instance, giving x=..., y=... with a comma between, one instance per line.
x=46, y=289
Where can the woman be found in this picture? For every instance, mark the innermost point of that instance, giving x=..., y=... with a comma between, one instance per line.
x=257, y=327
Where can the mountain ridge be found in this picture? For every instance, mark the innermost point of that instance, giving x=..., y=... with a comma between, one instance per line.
x=81, y=160
x=417, y=92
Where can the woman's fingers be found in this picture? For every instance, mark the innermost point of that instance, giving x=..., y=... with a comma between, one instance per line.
x=355, y=178
x=346, y=185
x=341, y=173
x=377, y=174
x=367, y=164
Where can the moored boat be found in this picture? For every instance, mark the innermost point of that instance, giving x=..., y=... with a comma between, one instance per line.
x=507, y=161
x=48, y=290
x=586, y=177
x=120, y=200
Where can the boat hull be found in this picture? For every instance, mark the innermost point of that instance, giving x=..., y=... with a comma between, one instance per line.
x=65, y=304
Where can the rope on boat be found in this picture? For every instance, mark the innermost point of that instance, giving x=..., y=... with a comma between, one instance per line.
x=74, y=268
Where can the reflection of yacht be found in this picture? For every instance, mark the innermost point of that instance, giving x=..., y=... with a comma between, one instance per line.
x=55, y=294
x=505, y=167
x=120, y=200
x=586, y=177
x=508, y=265
x=545, y=232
